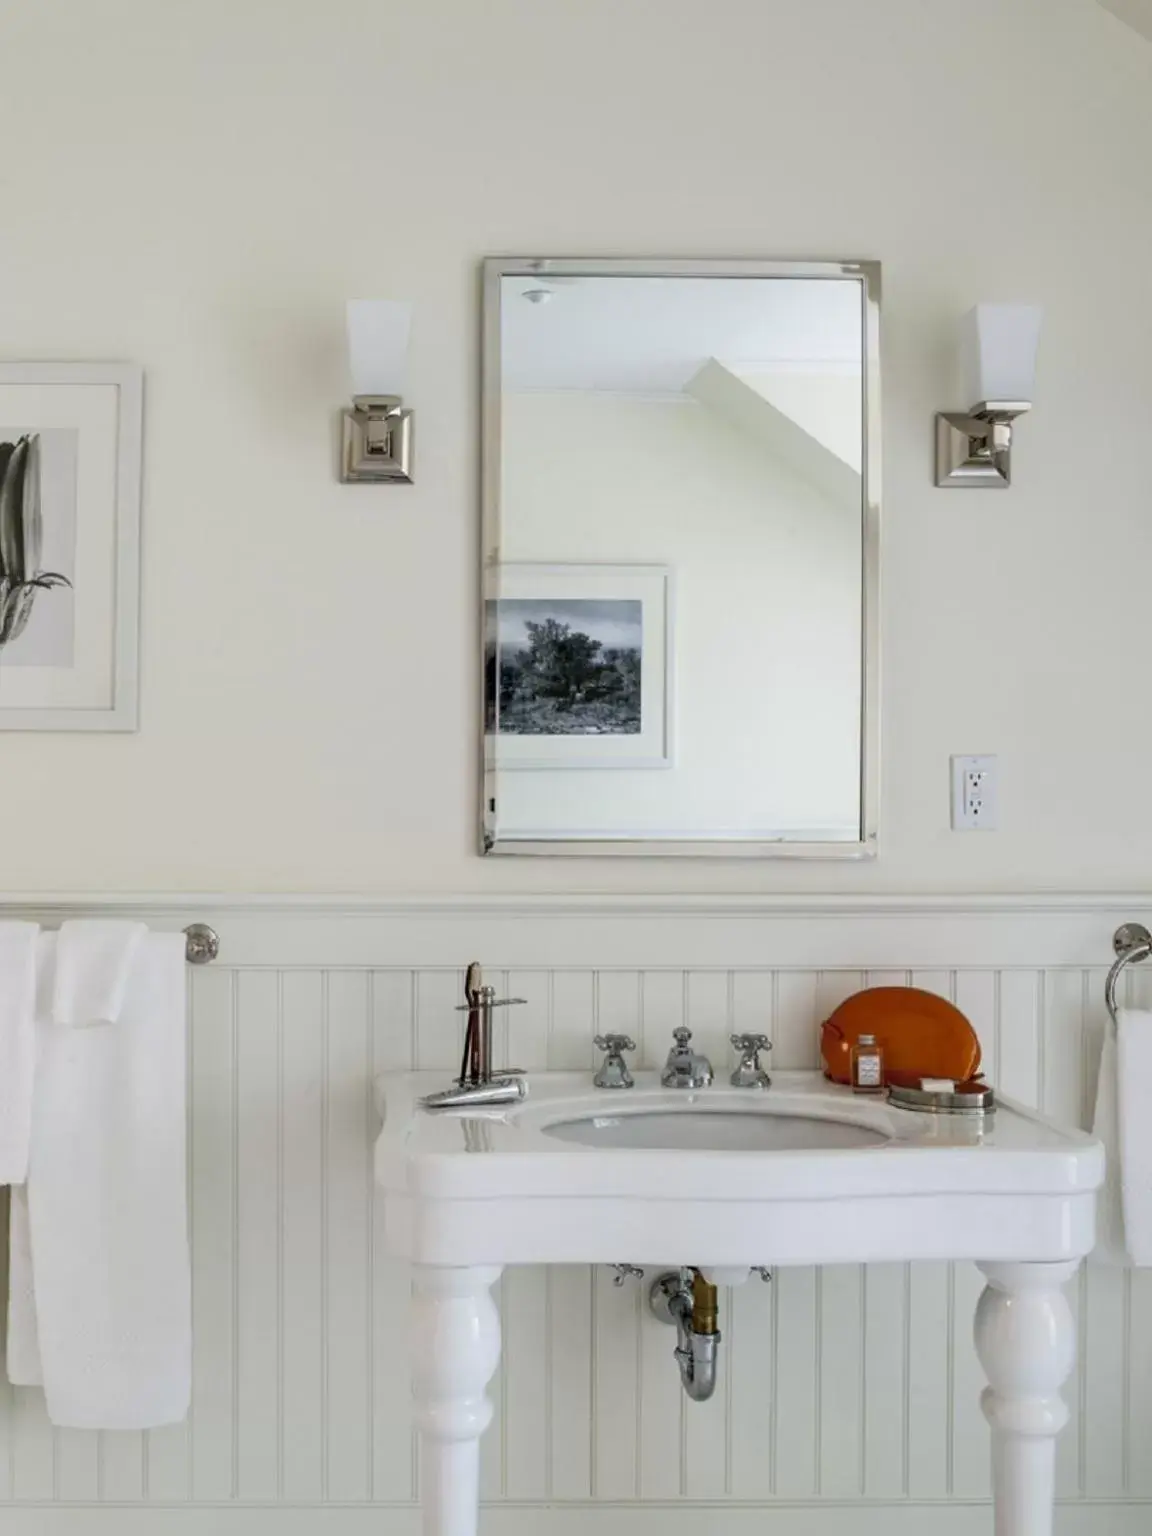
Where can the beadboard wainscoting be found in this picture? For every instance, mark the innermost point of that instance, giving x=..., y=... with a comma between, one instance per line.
x=849, y=1395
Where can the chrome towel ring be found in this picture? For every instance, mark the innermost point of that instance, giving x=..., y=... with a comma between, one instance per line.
x=1131, y=943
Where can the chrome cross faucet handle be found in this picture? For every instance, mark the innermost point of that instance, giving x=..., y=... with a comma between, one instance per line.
x=613, y=1071
x=685, y=1068
x=749, y=1073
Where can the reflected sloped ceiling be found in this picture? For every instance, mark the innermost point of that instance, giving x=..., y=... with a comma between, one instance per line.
x=1137, y=14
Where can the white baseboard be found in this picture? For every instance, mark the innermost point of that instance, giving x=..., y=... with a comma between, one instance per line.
x=1100, y=1518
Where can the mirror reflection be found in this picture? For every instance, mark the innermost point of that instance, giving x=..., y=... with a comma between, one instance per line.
x=676, y=532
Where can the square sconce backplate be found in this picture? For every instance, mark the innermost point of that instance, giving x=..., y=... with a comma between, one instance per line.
x=974, y=448
x=376, y=446
x=964, y=456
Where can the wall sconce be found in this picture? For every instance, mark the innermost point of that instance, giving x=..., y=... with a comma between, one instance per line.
x=376, y=446
x=999, y=352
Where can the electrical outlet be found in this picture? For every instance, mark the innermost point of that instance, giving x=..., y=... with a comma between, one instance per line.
x=975, y=800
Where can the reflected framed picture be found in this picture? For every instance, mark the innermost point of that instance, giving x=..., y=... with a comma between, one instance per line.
x=579, y=667
x=69, y=545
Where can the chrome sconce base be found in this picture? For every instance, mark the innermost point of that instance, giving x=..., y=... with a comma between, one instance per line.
x=974, y=448
x=376, y=442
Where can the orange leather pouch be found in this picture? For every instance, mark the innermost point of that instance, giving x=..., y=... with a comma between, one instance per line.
x=922, y=1035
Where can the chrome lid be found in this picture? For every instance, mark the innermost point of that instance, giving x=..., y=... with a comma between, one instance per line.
x=967, y=1099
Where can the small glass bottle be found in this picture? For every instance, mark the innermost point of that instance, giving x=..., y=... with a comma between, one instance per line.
x=867, y=1065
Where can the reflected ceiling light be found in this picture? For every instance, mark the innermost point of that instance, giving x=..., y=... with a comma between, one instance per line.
x=998, y=342
x=538, y=295
x=376, y=446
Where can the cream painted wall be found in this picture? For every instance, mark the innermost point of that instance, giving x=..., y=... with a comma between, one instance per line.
x=200, y=187
x=766, y=644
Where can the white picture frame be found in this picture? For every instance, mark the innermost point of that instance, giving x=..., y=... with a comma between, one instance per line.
x=72, y=664
x=648, y=586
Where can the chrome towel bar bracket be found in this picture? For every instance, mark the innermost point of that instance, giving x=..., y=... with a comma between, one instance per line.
x=1131, y=943
x=202, y=944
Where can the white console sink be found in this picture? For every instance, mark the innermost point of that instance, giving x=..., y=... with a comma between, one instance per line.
x=803, y=1173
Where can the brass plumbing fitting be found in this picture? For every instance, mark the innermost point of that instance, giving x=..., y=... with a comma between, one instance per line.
x=705, y=1309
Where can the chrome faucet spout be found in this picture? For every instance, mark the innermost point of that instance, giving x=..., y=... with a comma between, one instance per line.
x=685, y=1068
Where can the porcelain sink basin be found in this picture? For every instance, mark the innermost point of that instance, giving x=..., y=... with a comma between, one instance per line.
x=715, y=1130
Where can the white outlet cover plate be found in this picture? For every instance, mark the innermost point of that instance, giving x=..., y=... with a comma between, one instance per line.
x=975, y=794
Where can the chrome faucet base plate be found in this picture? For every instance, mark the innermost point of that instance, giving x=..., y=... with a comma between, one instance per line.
x=685, y=1068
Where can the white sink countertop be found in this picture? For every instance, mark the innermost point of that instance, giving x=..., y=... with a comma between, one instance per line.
x=494, y=1186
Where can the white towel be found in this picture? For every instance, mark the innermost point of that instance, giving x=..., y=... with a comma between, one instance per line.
x=100, y=1305
x=24, y=1369
x=93, y=963
x=1124, y=1125
x=17, y=1046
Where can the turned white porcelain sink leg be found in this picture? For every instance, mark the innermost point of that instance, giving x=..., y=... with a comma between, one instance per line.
x=455, y=1350
x=1026, y=1340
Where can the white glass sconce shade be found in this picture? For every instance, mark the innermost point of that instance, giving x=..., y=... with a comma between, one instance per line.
x=998, y=350
x=378, y=345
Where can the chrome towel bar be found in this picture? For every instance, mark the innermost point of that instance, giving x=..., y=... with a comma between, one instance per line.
x=1131, y=943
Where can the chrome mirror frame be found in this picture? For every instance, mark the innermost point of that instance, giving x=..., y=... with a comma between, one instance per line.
x=867, y=273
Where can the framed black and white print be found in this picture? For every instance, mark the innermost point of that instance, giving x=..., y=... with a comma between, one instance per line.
x=579, y=663
x=70, y=436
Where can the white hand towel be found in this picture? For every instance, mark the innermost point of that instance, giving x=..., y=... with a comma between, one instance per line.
x=106, y=1305
x=17, y=1046
x=93, y=963
x=24, y=1369
x=1106, y=1126
x=1124, y=1125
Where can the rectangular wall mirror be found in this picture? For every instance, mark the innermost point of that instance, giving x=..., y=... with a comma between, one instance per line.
x=680, y=503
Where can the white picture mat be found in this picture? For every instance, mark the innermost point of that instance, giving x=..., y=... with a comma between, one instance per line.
x=651, y=586
x=102, y=403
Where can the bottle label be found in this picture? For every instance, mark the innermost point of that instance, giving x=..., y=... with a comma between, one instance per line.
x=868, y=1071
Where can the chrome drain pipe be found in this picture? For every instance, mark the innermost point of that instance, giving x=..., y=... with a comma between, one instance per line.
x=696, y=1357
x=684, y=1298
